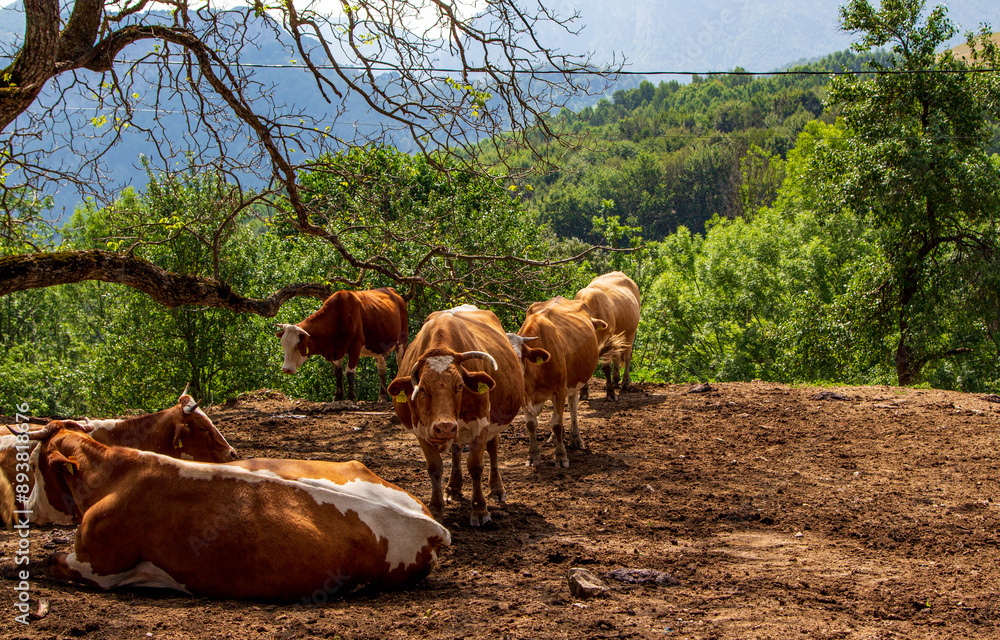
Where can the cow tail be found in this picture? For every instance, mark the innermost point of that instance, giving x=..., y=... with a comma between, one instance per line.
x=613, y=347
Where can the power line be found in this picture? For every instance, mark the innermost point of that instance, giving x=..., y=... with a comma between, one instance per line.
x=391, y=69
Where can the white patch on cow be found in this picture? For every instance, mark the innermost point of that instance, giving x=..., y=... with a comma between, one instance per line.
x=467, y=431
x=144, y=574
x=464, y=307
x=370, y=354
x=107, y=425
x=397, y=517
x=440, y=364
x=10, y=442
x=42, y=511
x=391, y=514
x=185, y=456
x=533, y=409
x=289, y=342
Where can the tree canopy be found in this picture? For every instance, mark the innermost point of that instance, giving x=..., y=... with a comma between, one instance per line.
x=450, y=77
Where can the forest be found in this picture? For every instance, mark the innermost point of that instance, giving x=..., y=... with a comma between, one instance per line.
x=832, y=224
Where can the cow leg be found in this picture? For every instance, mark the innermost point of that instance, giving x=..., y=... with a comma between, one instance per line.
x=352, y=376
x=627, y=358
x=57, y=567
x=558, y=405
x=338, y=374
x=383, y=392
x=609, y=380
x=531, y=418
x=435, y=468
x=575, y=440
x=480, y=512
x=353, y=356
x=455, y=482
x=497, y=490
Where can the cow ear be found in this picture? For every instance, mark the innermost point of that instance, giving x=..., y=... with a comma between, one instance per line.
x=598, y=324
x=538, y=356
x=180, y=431
x=478, y=381
x=57, y=459
x=400, y=389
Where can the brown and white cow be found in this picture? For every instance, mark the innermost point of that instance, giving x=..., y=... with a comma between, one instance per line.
x=182, y=431
x=566, y=331
x=614, y=298
x=460, y=383
x=350, y=324
x=257, y=531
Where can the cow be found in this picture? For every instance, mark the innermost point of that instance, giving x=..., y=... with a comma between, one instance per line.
x=260, y=531
x=614, y=298
x=459, y=383
x=566, y=330
x=350, y=324
x=182, y=431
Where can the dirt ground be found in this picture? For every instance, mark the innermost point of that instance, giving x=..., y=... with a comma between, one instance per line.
x=777, y=512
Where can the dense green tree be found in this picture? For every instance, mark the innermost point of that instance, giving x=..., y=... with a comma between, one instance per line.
x=917, y=169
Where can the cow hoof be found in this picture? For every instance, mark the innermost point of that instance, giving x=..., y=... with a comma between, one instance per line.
x=533, y=462
x=499, y=496
x=479, y=521
x=563, y=463
x=454, y=494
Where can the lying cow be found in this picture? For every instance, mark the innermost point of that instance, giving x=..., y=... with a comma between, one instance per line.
x=462, y=385
x=614, y=298
x=350, y=324
x=566, y=331
x=182, y=431
x=265, y=530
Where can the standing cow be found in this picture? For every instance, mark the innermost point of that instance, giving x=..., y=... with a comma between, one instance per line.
x=566, y=330
x=268, y=530
x=460, y=383
x=350, y=324
x=614, y=298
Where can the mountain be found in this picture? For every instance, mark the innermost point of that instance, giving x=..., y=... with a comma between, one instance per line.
x=719, y=35
x=653, y=35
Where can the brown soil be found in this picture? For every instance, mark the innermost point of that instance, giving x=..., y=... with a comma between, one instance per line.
x=777, y=512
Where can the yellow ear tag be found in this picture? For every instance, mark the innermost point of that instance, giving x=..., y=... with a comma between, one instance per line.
x=483, y=387
x=70, y=469
x=180, y=443
x=401, y=398
x=538, y=360
x=307, y=350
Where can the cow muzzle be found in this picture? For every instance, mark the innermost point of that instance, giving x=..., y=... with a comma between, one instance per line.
x=442, y=432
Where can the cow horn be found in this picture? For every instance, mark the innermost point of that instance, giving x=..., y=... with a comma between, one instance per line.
x=184, y=393
x=468, y=355
x=39, y=434
x=191, y=407
x=415, y=378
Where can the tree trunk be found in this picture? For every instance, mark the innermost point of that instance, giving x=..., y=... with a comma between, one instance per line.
x=37, y=270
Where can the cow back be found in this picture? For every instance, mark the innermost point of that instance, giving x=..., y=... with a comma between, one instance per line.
x=614, y=298
x=564, y=329
x=373, y=320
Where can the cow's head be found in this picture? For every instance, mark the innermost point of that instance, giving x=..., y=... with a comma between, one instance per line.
x=195, y=436
x=55, y=463
x=434, y=391
x=295, y=342
x=526, y=353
